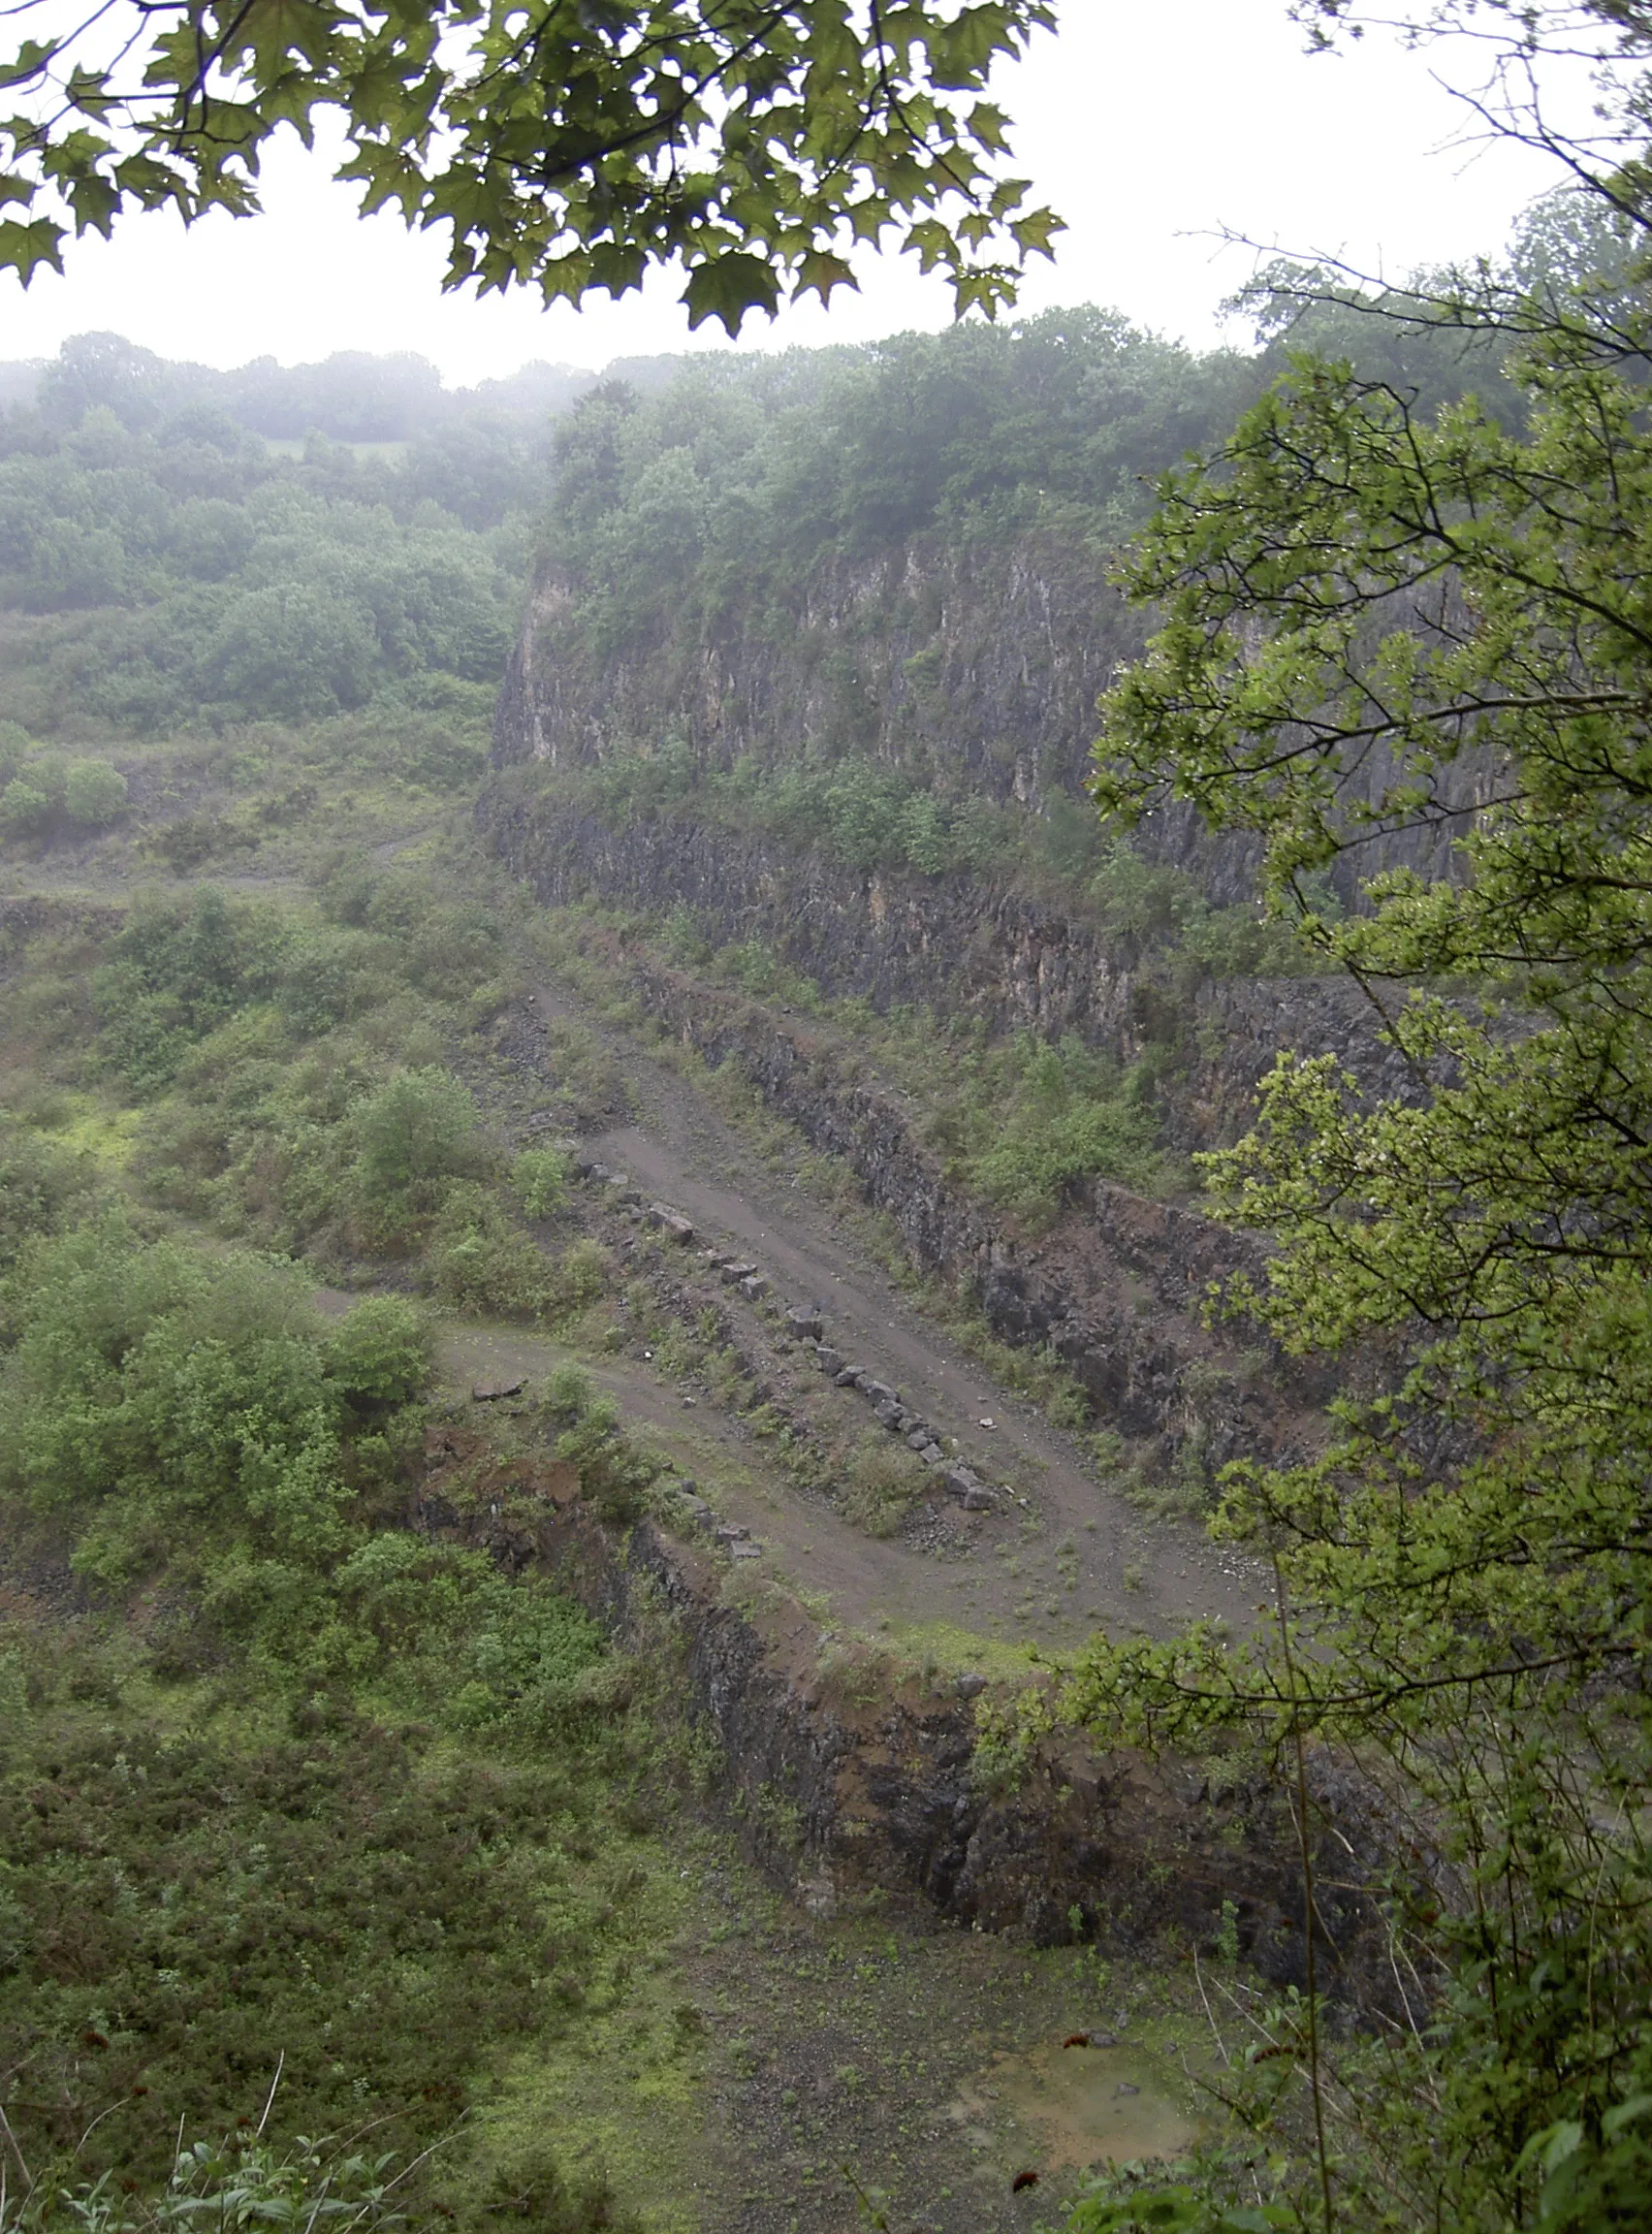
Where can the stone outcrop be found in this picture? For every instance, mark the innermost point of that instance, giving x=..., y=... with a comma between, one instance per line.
x=986, y=656
x=848, y=1779
x=974, y=658
x=964, y=948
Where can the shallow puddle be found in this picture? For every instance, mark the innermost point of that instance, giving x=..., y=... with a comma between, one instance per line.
x=1080, y=2106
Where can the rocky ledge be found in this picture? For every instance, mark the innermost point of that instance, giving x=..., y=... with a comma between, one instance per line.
x=850, y=1779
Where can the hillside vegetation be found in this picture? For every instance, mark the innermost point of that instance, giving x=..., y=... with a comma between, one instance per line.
x=294, y=1794
x=314, y=1820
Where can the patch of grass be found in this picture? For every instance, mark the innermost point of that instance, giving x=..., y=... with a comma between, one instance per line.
x=949, y=1650
x=193, y=1897
x=882, y=1484
x=90, y=1124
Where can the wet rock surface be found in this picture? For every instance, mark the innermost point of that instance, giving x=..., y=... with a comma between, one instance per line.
x=1012, y=961
x=878, y=1776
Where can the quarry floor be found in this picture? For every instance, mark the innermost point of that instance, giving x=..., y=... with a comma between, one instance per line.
x=837, y=2065
x=1062, y=1552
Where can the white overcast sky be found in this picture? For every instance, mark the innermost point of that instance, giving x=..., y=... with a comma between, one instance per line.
x=1150, y=127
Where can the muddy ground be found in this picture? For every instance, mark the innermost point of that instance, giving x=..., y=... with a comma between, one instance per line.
x=827, y=2062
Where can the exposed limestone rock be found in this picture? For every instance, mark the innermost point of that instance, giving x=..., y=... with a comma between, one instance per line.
x=1015, y=962
x=886, y=1798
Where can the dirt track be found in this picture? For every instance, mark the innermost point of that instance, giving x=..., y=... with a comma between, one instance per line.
x=1075, y=1554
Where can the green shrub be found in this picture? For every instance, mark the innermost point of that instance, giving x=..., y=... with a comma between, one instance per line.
x=579, y=1279
x=379, y=1354
x=161, y=1405
x=531, y=1660
x=412, y=1137
x=175, y=974
x=347, y=884
x=328, y=975
x=541, y=1176
x=1072, y=1115
x=24, y=808
x=39, y=1181
x=882, y=1483
x=615, y=1475
x=570, y=1393
x=481, y=1262
x=94, y=793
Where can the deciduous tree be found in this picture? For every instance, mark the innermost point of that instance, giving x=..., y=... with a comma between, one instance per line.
x=567, y=148
x=1377, y=618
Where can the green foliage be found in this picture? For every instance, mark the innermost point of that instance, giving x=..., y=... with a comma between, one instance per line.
x=239, y=2183
x=24, y=808
x=331, y=1898
x=615, y=1474
x=39, y=1182
x=196, y=571
x=154, y=1400
x=569, y=1392
x=263, y=1044
x=94, y=793
x=175, y=972
x=1026, y=1122
x=1072, y=1115
x=1218, y=2200
x=1377, y=618
x=716, y=499
x=1151, y=905
x=882, y=1484
x=484, y=1263
x=555, y=148
x=411, y=1137
x=541, y=1177
x=579, y=1278
x=378, y=1356
x=535, y=1667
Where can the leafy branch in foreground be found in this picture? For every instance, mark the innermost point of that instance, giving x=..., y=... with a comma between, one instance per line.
x=753, y=141
x=1391, y=635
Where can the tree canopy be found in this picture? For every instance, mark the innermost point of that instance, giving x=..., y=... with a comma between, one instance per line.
x=751, y=142
x=1377, y=611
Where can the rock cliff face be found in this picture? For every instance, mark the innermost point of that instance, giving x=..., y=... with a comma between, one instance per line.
x=977, y=659
x=985, y=656
x=951, y=943
x=844, y=1783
